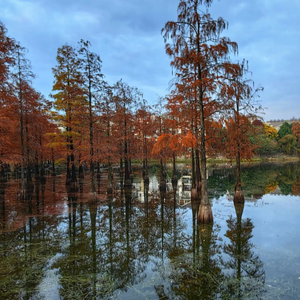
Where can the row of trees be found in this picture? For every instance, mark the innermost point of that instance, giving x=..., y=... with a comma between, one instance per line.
x=289, y=137
x=271, y=142
x=92, y=122
x=24, y=112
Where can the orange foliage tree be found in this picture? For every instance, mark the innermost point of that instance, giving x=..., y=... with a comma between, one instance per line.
x=198, y=54
x=242, y=99
x=161, y=128
x=296, y=130
x=237, y=139
x=8, y=121
x=105, y=141
x=125, y=100
x=23, y=111
x=21, y=77
x=93, y=87
x=144, y=130
x=69, y=99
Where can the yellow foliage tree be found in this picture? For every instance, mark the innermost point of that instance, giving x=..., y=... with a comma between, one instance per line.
x=270, y=131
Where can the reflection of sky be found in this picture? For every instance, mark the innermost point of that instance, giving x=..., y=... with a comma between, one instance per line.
x=276, y=221
x=275, y=235
x=49, y=287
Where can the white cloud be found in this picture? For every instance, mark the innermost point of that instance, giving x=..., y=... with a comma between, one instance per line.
x=23, y=11
x=126, y=34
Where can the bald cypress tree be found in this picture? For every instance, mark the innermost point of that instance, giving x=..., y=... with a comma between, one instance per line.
x=68, y=99
x=198, y=55
x=93, y=85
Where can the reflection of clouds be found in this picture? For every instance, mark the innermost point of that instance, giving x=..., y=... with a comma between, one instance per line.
x=277, y=213
x=49, y=286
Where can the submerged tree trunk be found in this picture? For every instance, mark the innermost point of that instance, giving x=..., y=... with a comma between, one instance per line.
x=92, y=176
x=98, y=172
x=145, y=171
x=127, y=171
x=73, y=182
x=80, y=171
x=238, y=195
x=68, y=176
x=198, y=173
x=174, y=176
x=2, y=190
x=145, y=160
x=193, y=169
x=162, y=183
x=109, y=179
x=53, y=163
x=37, y=169
x=194, y=191
x=205, y=215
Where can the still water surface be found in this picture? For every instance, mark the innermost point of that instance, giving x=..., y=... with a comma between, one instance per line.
x=143, y=244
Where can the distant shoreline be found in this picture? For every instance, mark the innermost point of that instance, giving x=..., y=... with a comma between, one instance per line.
x=270, y=159
x=226, y=161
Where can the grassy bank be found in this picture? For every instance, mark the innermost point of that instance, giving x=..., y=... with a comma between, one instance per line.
x=213, y=161
x=279, y=158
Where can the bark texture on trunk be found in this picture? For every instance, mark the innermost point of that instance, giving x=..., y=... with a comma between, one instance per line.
x=239, y=194
x=205, y=215
x=194, y=194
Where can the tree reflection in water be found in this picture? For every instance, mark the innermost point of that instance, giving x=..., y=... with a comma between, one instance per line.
x=196, y=273
x=201, y=271
x=122, y=248
x=2, y=200
x=105, y=254
x=244, y=273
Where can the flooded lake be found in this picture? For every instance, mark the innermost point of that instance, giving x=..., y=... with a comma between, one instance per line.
x=140, y=243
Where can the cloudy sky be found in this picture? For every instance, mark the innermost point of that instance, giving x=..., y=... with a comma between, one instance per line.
x=126, y=34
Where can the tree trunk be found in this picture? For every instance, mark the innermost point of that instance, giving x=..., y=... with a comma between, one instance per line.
x=198, y=173
x=174, y=177
x=193, y=169
x=162, y=183
x=238, y=195
x=53, y=163
x=93, y=187
x=205, y=213
x=37, y=169
x=127, y=166
x=109, y=179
